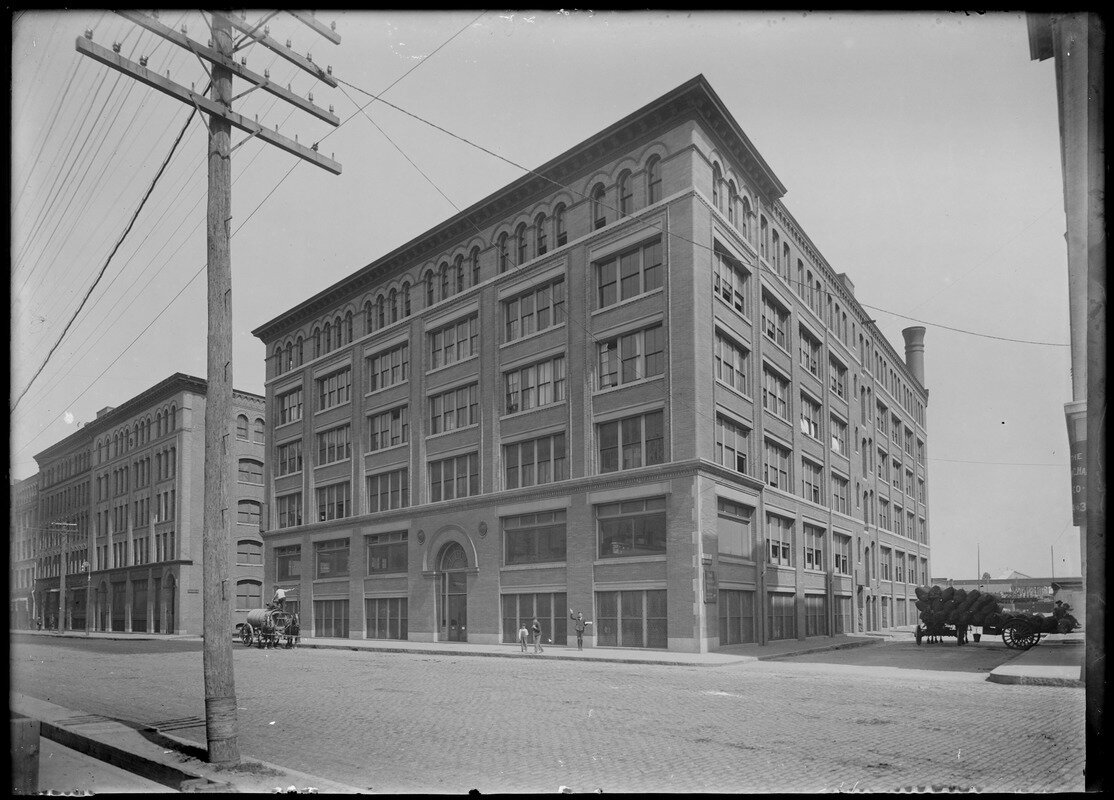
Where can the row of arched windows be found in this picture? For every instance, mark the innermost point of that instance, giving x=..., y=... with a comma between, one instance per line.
x=512, y=248
x=242, y=424
x=64, y=469
x=142, y=432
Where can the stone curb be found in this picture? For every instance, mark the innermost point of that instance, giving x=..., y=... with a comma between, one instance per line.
x=822, y=649
x=1033, y=680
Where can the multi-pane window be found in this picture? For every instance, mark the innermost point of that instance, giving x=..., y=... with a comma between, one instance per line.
x=896, y=475
x=775, y=394
x=779, y=540
x=731, y=363
x=332, y=558
x=250, y=471
x=534, y=538
x=908, y=441
x=841, y=554
x=334, y=445
x=631, y=528
x=334, y=501
x=732, y=444
x=731, y=282
x=895, y=428
x=816, y=615
x=653, y=180
x=289, y=510
x=386, y=552
x=335, y=389
x=920, y=452
x=290, y=457
x=454, y=477
x=388, y=490
x=330, y=618
x=776, y=465
x=629, y=274
x=454, y=342
x=838, y=374
x=547, y=607
x=838, y=430
x=540, y=245
x=883, y=419
x=249, y=552
x=241, y=427
x=899, y=568
x=812, y=481
x=809, y=353
x=632, y=442
x=883, y=465
x=249, y=594
x=632, y=357
x=922, y=531
x=899, y=523
x=883, y=514
x=289, y=563
x=389, y=367
x=389, y=428
x=814, y=546
x=920, y=490
x=736, y=617
x=775, y=322
x=539, y=309
x=535, y=385
x=535, y=461
x=734, y=528
x=810, y=417
x=636, y=618
x=387, y=617
x=840, y=495
x=290, y=406
x=886, y=565
x=909, y=483
x=559, y=229
x=456, y=408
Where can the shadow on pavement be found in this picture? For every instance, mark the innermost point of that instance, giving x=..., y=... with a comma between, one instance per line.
x=946, y=656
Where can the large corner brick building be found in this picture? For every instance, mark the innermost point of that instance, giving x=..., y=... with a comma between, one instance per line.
x=627, y=383
x=120, y=508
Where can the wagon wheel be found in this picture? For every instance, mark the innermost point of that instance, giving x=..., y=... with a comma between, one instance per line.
x=1019, y=635
x=919, y=634
x=245, y=634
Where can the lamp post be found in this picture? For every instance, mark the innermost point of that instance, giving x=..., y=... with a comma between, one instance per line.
x=88, y=596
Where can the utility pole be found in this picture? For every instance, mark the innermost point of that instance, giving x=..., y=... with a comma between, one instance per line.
x=220, y=689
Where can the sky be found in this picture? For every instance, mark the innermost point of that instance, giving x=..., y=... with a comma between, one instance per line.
x=920, y=153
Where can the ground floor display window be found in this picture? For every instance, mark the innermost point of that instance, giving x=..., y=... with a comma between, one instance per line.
x=843, y=615
x=782, y=618
x=330, y=618
x=549, y=607
x=139, y=606
x=885, y=612
x=119, y=599
x=632, y=619
x=386, y=618
x=816, y=615
x=736, y=617
x=900, y=607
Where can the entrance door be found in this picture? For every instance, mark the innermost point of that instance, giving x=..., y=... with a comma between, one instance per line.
x=452, y=594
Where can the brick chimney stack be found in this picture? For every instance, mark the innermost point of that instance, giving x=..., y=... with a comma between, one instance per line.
x=914, y=351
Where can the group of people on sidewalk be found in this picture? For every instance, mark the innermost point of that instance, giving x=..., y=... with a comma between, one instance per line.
x=535, y=631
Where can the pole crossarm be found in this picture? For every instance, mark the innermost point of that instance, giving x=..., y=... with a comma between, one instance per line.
x=210, y=107
x=211, y=55
x=311, y=21
x=282, y=50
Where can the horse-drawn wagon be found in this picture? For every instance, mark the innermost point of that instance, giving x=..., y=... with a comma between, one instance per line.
x=264, y=627
x=950, y=612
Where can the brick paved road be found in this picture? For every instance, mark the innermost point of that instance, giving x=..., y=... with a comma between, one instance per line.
x=411, y=723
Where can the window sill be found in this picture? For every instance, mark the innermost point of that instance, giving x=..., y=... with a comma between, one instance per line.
x=439, y=434
x=535, y=409
x=639, y=382
x=730, y=306
x=387, y=449
x=332, y=407
x=527, y=337
x=288, y=475
x=733, y=390
x=629, y=560
x=628, y=301
x=731, y=558
x=394, y=574
x=333, y=463
x=288, y=424
x=382, y=389
x=453, y=364
x=532, y=565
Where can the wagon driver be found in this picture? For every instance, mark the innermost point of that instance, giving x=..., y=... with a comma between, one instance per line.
x=279, y=600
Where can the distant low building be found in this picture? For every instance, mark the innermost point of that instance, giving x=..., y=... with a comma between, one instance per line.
x=1020, y=592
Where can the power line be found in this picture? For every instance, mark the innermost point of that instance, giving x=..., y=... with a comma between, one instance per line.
x=960, y=330
x=123, y=236
x=999, y=463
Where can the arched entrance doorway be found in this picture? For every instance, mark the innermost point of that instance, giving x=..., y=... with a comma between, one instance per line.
x=452, y=593
x=169, y=603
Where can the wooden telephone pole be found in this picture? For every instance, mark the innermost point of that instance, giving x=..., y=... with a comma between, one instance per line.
x=220, y=689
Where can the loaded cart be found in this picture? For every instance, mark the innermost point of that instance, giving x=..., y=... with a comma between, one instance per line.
x=1021, y=631
x=947, y=612
x=264, y=627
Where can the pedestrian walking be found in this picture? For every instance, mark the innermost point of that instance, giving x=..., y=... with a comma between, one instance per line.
x=536, y=629
x=579, y=624
x=523, y=636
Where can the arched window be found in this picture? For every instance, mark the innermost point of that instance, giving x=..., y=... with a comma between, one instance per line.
x=785, y=260
x=744, y=223
x=338, y=332
x=249, y=595
x=328, y=336
x=776, y=254
x=443, y=279
x=763, y=237
x=502, y=252
x=520, y=243
x=380, y=312
x=299, y=353
x=474, y=259
x=250, y=471
x=406, y=299
x=539, y=234
x=392, y=301
x=369, y=320
x=717, y=177
x=599, y=216
x=278, y=359
x=429, y=288
x=348, y=328
x=241, y=427
x=249, y=552
x=316, y=342
x=458, y=270
x=258, y=431
x=559, y=232
x=173, y=421
x=653, y=180
x=732, y=204
x=288, y=358
x=248, y=512
x=158, y=429
x=626, y=194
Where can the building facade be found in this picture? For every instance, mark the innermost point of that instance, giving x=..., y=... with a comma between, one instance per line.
x=21, y=552
x=628, y=384
x=120, y=509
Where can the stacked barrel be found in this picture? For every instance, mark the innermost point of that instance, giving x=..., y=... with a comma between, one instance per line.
x=950, y=606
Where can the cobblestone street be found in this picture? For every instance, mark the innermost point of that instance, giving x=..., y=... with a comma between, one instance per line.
x=409, y=723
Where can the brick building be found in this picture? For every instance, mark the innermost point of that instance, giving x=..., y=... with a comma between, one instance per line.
x=24, y=515
x=626, y=383
x=120, y=511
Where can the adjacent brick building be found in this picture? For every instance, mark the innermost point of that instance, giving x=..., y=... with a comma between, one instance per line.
x=626, y=383
x=120, y=510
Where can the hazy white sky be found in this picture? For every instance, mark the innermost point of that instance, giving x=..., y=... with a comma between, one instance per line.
x=920, y=153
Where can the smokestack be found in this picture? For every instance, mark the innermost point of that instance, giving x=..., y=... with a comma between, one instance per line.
x=914, y=351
